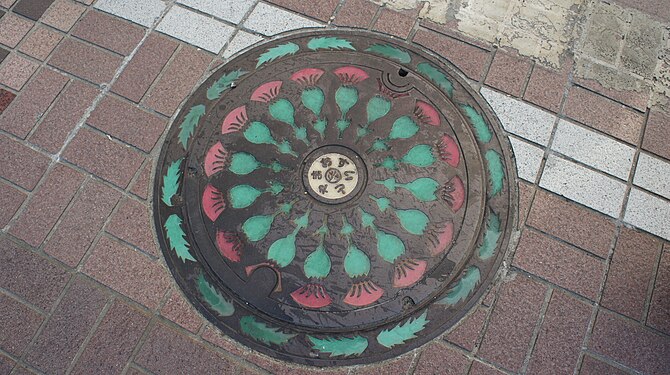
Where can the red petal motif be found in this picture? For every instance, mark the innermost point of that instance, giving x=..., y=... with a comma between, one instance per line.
x=363, y=293
x=350, y=75
x=448, y=150
x=307, y=77
x=443, y=239
x=454, y=193
x=408, y=272
x=426, y=113
x=266, y=92
x=215, y=159
x=212, y=202
x=312, y=295
x=229, y=245
x=234, y=120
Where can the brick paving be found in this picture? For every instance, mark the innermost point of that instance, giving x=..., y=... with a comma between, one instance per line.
x=88, y=89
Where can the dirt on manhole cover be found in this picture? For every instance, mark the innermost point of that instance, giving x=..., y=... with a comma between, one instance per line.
x=334, y=197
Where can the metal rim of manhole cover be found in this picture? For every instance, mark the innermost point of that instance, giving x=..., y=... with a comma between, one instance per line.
x=334, y=197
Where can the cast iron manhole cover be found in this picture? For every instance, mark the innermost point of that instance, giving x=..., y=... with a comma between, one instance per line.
x=334, y=197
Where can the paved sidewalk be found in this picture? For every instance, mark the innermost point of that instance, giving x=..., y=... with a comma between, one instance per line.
x=88, y=89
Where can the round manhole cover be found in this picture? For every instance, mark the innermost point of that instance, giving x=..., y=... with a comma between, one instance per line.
x=334, y=197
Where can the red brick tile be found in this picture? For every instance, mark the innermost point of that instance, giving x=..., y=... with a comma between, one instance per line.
x=399, y=365
x=636, y=99
x=141, y=185
x=7, y=3
x=178, y=79
x=508, y=73
x=216, y=337
x=13, y=28
x=603, y=114
x=657, y=133
x=16, y=71
x=546, y=87
x=356, y=13
x=85, y=61
x=6, y=363
x=18, y=324
x=592, y=366
x=630, y=272
x=180, y=311
x=394, y=23
x=20, y=370
x=63, y=14
x=319, y=9
x=10, y=201
x=81, y=223
x=579, y=226
x=471, y=60
x=127, y=123
x=128, y=272
x=655, y=8
x=113, y=341
x=28, y=108
x=479, y=368
x=132, y=223
x=40, y=43
x=108, y=32
x=630, y=344
x=67, y=328
x=30, y=276
x=526, y=195
x=145, y=66
x=659, y=310
x=560, y=264
x=467, y=332
x=439, y=359
x=87, y=2
x=20, y=164
x=283, y=368
x=167, y=352
x=64, y=116
x=46, y=205
x=6, y=98
x=103, y=157
x=561, y=335
x=512, y=322
x=33, y=9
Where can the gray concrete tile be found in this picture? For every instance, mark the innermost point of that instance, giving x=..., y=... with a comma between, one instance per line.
x=528, y=159
x=583, y=185
x=229, y=10
x=521, y=118
x=648, y=212
x=653, y=174
x=270, y=20
x=201, y=31
x=593, y=149
x=144, y=12
x=241, y=41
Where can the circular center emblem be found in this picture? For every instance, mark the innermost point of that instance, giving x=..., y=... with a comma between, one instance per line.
x=334, y=174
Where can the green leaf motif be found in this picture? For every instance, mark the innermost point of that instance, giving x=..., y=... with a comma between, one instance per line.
x=491, y=237
x=261, y=332
x=482, y=130
x=340, y=346
x=171, y=182
x=177, y=238
x=463, y=287
x=437, y=76
x=401, y=333
x=276, y=52
x=496, y=172
x=316, y=44
x=189, y=124
x=224, y=83
x=213, y=298
x=391, y=52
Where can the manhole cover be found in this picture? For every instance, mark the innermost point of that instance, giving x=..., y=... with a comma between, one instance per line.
x=334, y=197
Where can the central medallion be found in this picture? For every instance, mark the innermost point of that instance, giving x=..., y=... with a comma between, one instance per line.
x=334, y=174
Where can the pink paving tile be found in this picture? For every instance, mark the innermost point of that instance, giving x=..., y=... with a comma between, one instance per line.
x=7, y=3
x=145, y=66
x=659, y=310
x=14, y=28
x=85, y=61
x=63, y=14
x=512, y=322
x=132, y=223
x=479, y=368
x=216, y=337
x=141, y=185
x=561, y=335
x=356, y=13
x=559, y=263
x=398, y=365
x=40, y=43
x=103, y=157
x=629, y=343
x=657, y=133
x=180, y=311
x=46, y=205
x=16, y=71
x=28, y=108
x=108, y=32
x=508, y=72
x=20, y=164
x=319, y=9
x=630, y=273
x=526, y=195
x=128, y=272
x=546, y=87
x=471, y=60
x=636, y=99
x=65, y=114
x=6, y=98
x=394, y=23
x=592, y=366
x=10, y=201
x=467, y=332
x=127, y=122
x=440, y=359
x=18, y=324
x=81, y=223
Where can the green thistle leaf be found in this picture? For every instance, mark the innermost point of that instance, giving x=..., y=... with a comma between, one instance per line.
x=329, y=43
x=177, y=238
x=401, y=333
x=437, y=76
x=223, y=84
x=482, y=130
x=189, y=124
x=491, y=237
x=171, y=182
x=463, y=288
x=213, y=298
x=261, y=332
x=340, y=346
x=391, y=52
x=277, y=52
x=496, y=172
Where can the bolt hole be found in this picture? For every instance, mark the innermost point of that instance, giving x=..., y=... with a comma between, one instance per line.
x=402, y=72
x=408, y=303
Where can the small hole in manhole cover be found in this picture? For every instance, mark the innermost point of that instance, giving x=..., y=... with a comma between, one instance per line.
x=321, y=214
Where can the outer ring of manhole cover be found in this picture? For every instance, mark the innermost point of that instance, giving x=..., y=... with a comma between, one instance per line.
x=304, y=275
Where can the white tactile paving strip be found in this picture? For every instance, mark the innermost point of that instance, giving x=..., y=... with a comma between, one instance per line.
x=648, y=212
x=240, y=41
x=143, y=12
x=270, y=20
x=653, y=174
x=229, y=10
x=197, y=29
